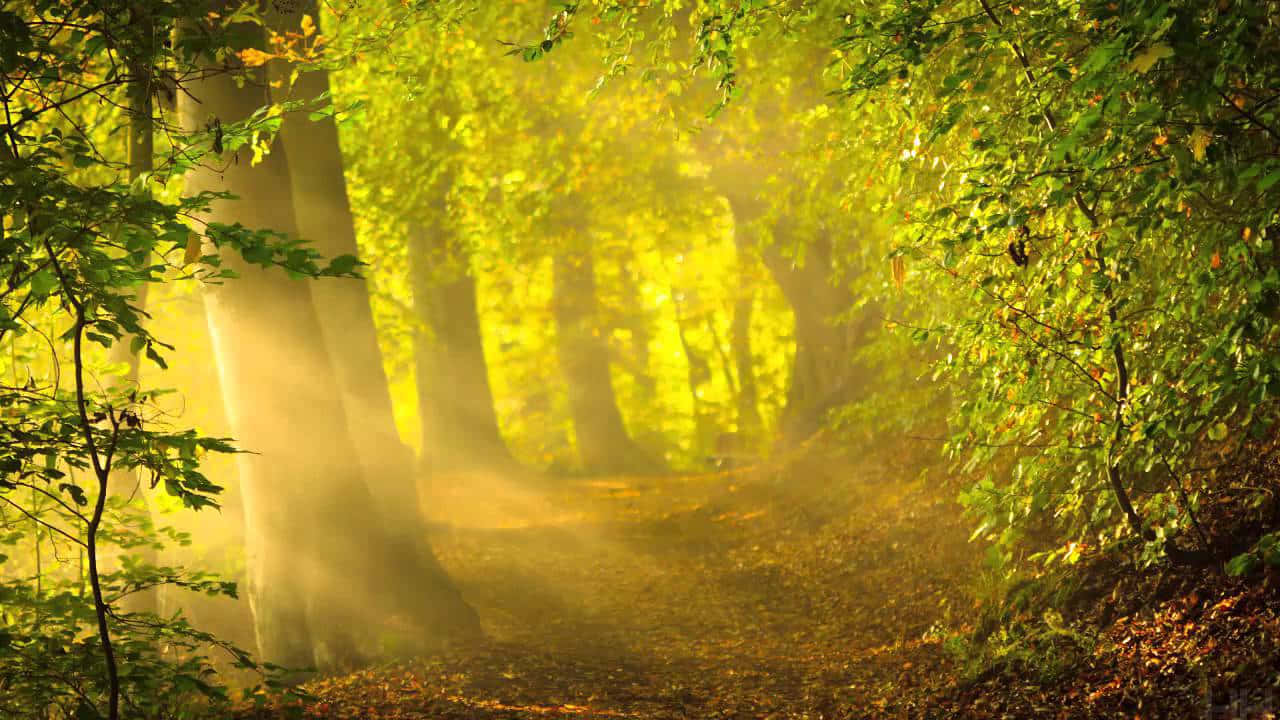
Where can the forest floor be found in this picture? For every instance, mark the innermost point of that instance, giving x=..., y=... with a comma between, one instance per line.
x=825, y=591
x=748, y=593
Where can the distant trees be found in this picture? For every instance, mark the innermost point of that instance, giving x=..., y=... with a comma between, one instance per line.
x=1081, y=201
x=603, y=444
x=455, y=399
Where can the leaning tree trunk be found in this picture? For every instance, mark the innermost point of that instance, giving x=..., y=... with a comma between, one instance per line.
x=324, y=218
x=603, y=443
x=455, y=400
x=319, y=555
x=410, y=580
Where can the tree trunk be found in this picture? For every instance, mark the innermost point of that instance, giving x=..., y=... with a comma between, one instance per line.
x=603, y=443
x=748, y=397
x=324, y=218
x=746, y=392
x=699, y=374
x=637, y=322
x=410, y=578
x=318, y=554
x=455, y=399
x=141, y=149
x=823, y=372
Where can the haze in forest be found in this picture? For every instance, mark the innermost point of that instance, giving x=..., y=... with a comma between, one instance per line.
x=628, y=359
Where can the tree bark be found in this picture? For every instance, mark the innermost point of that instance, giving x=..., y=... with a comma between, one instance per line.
x=602, y=440
x=822, y=371
x=319, y=554
x=324, y=218
x=699, y=374
x=637, y=323
x=410, y=578
x=455, y=400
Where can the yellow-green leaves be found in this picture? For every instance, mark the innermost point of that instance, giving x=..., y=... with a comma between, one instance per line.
x=1218, y=432
x=1145, y=60
x=1199, y=141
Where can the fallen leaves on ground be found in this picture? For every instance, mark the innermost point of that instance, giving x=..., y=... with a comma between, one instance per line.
x=810, y=592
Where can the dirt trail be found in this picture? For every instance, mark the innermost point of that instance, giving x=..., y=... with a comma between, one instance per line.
x=807, y=593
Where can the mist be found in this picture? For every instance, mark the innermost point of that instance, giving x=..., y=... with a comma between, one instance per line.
x=638, y=360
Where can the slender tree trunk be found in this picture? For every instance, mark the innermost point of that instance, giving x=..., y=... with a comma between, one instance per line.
x=746, y=391
x=748, y=397
x=637, y=322
x=141, y=149
x=455, y=399
x=603, y=443
x=319, y=554
x=699, y=373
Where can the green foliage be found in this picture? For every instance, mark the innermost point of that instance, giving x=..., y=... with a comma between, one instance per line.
x=1266, y=552
x=87, y=225
x=1073, y=203
x=1084, y=197
x=1108, y=245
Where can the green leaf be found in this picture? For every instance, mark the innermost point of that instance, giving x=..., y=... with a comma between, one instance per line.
x=43, y=282
x=76, y=493
x=342, y=265
x=1218, y=432
x=1265, y=183
x=1145, y=60
x=1243, y=564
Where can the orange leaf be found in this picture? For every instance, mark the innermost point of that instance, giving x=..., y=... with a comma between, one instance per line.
x=252, y=57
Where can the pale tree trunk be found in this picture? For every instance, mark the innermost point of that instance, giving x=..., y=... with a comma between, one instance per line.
x=455, y=399
x=603, y=443
x=324, y=219
x=271, y=370
x=699, y=374
x=409, y=579
x=319, y=555
x=637, y=322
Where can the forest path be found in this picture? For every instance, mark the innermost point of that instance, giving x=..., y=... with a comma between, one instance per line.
x=804, y=593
